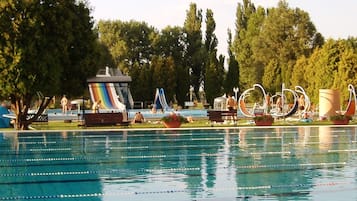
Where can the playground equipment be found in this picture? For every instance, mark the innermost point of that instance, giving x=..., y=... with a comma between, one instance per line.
x=287, y=110
x=160, y=100
x=242, y=101
x=262, y=108
x=4, y=120
x=351, y=106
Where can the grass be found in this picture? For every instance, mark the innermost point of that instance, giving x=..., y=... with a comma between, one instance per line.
x=199, y=123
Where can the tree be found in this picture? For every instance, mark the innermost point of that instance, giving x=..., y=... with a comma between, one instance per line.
x=169, y=43
x=163, y=69
x=212, y=83
x=333, y=66
x=298, y=77
x=232, y=78
x=128, y=42
x=286, y=35
x=193, y=43
x=242, y=44
x=42, y=45
x=131, y=46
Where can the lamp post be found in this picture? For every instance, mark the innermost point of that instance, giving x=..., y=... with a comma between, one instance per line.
x=236, y=90
x=191, y=93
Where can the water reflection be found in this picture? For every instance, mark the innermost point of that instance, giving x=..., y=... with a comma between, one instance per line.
x=325, y=137
x=190, y=164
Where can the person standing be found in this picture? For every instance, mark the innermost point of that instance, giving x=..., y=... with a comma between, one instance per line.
x=279, y=105
x=64, y=104
x=96, y=106
x=301, y=102
x=231, y=103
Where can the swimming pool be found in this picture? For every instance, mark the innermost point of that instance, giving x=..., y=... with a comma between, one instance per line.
x=282, y=163
x=56, y=114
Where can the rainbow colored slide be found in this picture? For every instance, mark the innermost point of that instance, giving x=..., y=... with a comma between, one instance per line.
x=107, y=94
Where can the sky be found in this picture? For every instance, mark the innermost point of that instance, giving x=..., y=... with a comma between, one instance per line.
x=333, y=19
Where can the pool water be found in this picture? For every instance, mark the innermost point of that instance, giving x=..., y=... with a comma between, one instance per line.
x=282, y=163
x=56, y=114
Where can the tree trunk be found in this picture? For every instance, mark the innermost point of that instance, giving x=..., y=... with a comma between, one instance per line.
x=21, y=107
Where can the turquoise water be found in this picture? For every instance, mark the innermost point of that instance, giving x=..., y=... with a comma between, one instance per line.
x=56, y=114
x=306, y=163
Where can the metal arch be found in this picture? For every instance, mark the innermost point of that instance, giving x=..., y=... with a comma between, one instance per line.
x=265, y=106
x=352, y=90
x=351, y=107
x=295, y=106
x=246, y=93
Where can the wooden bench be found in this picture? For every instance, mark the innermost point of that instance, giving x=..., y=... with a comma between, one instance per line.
x=104, y=119
x=220, y=115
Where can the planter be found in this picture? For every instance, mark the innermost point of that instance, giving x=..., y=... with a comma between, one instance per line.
x=172, y=124
x=263, y=123
x=340, y=122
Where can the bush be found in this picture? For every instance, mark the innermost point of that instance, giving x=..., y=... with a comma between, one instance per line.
x=174, y=117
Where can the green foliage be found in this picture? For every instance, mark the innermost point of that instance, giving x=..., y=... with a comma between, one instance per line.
x=164, y=74
x=340, y=117
x=248, y=24
x=270, y=80
x=45, y=46
x=268, y=43
x=174, y=57
x=232, y=77
x=286, y=35
x=265, y=117
x=128, y=42
x=174, y=117
x=333, y=66
x=169, y=44
x=214, y=79
x=194, y=55
x=298, y=73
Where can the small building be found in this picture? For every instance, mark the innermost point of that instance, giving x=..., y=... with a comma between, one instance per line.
x=220, y=103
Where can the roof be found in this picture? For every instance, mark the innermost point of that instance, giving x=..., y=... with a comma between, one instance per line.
x=109, y=75
x=110, y=79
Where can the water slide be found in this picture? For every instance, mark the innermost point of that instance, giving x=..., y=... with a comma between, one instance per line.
x=5, y=117
x=107, y=94
x=160, y=99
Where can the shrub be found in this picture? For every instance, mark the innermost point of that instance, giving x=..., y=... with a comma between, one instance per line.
x=265, y=117
x=174, y=117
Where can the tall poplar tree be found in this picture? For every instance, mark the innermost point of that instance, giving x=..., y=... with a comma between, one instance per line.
x=212, y=74
x=194, y=56
x=242, y=44
x=232, y=78
x=169, y=43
